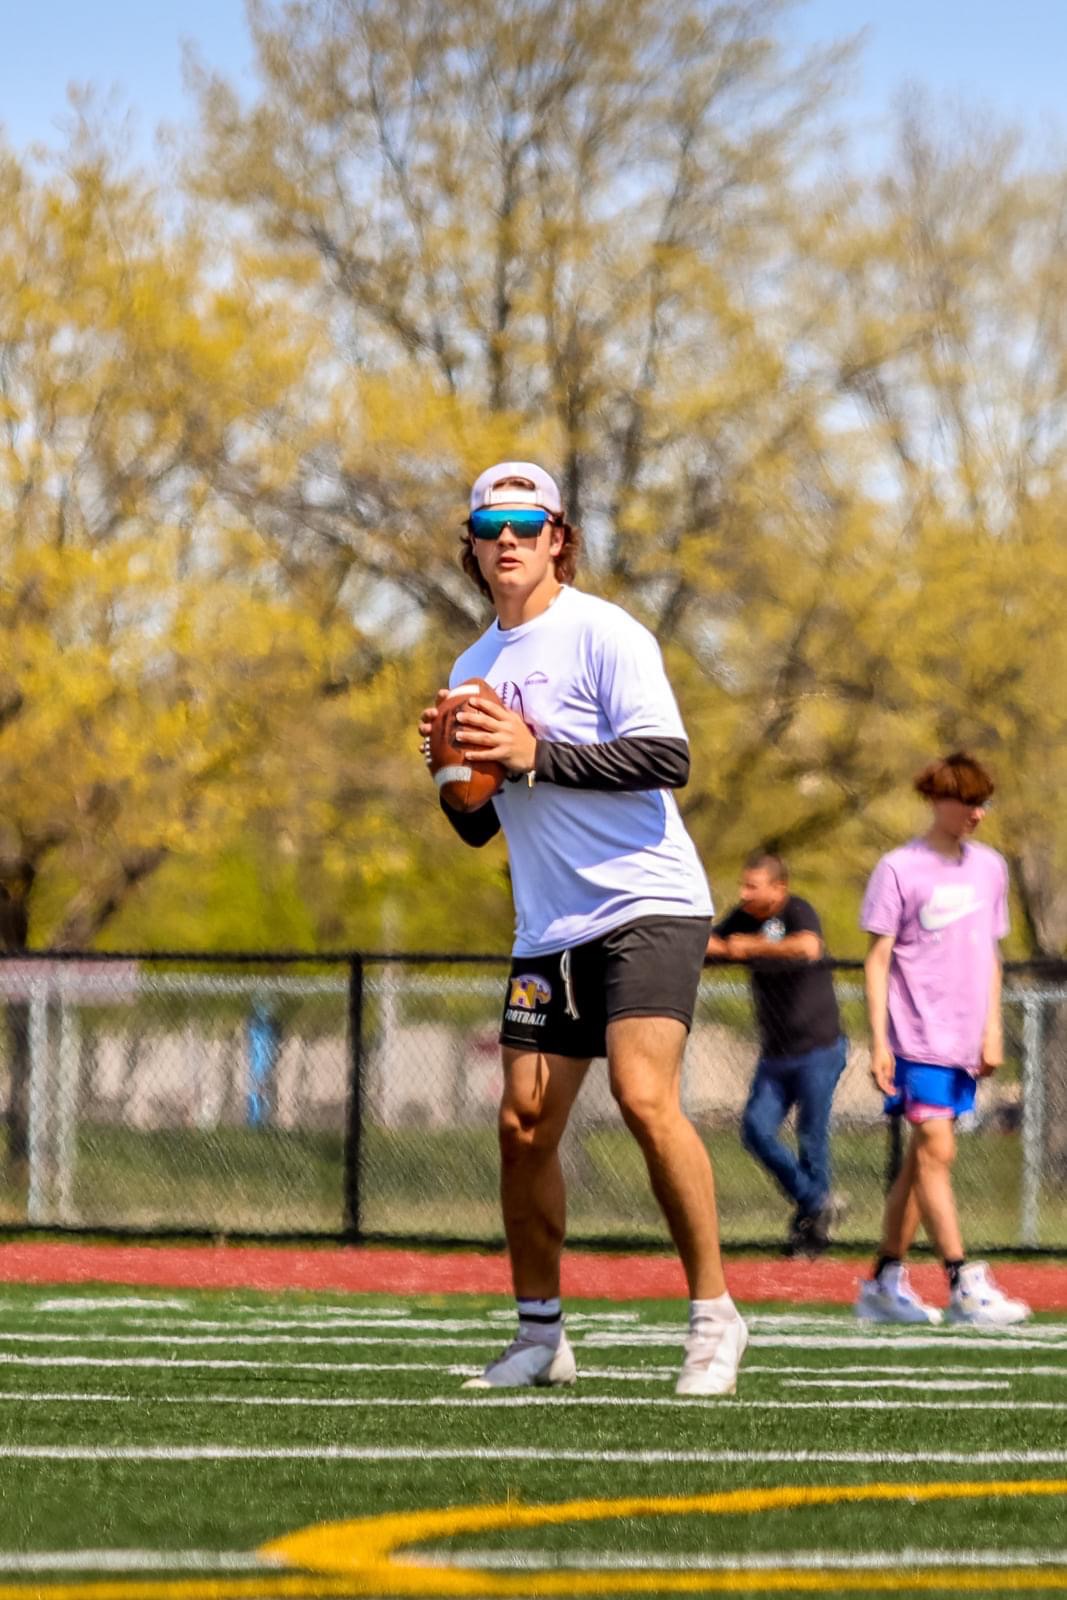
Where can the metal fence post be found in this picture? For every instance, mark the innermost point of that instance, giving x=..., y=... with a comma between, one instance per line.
x=65, y=1110
x=1033, y=1131
x=40, y=1109
x=353, y=1217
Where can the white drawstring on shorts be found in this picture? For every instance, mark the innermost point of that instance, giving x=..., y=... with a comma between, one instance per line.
x=570, y=1005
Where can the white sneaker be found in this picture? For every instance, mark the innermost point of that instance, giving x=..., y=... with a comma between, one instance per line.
x=891, y=1298
x=977, y=1301
x=712, y=1360
x=525, y=1363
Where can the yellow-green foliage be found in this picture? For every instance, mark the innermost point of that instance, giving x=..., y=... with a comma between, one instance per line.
x=812, y=431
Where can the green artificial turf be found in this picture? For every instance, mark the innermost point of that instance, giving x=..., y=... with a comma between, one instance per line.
x=183, y=1505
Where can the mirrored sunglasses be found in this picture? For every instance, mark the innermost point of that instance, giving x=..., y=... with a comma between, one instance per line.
x=525, y=522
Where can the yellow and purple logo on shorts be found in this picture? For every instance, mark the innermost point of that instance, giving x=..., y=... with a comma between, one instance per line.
x=529, y=991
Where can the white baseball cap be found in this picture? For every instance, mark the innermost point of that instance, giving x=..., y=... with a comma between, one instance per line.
x=534, y=488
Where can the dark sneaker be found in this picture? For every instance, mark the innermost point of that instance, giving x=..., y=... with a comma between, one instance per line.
x=809, y=1233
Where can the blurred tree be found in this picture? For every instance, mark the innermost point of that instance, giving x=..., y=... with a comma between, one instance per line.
x=155, y=667
x=145, y=637
x=574, y=233
x=814, y=435
x=952, y=344
x=512, y=215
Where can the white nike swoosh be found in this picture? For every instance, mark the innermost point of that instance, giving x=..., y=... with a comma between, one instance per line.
x=934, y=921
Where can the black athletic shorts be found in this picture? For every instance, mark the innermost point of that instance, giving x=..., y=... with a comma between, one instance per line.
x=561, y=1003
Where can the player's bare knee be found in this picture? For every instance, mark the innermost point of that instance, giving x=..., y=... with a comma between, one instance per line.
x=647, y=1112
x=524, y=1134
x=935, y=1145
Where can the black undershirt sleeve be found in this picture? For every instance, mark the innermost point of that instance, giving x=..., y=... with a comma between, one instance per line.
x=474, y=827
x=622, y=764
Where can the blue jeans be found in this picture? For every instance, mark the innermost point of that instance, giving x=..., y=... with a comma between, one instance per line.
x=808, y=1082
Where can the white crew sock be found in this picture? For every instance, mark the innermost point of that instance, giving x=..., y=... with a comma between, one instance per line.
x=541, y=1321
x=705, y=1314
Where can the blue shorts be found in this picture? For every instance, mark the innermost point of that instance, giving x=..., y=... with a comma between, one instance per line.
x=925, y=1091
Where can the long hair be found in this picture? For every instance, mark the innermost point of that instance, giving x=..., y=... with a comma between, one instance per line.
x=565, y=561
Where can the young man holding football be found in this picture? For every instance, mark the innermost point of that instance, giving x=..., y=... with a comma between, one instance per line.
x=612, y=910
x=935, y=910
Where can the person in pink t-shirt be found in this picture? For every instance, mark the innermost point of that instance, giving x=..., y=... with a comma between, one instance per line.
x=935, y=909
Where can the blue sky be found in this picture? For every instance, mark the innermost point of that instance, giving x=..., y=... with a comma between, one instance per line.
x=1007, y=55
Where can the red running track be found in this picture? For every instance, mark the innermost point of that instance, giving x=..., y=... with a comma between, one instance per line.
x=415, y=1272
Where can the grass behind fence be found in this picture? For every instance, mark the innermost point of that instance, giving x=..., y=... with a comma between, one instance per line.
x=443, y=1183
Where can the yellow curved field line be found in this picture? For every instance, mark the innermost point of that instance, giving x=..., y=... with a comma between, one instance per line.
x=357, y=1557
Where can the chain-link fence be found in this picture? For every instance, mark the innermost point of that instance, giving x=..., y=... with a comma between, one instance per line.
x=355, y=1097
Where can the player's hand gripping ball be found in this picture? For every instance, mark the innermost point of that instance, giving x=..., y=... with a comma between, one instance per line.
x=465, y=785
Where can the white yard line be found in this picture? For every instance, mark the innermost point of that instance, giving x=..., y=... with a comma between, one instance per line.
x=427, y=1453
x=131, y=1561
x=898, y=1371
x=352, y=1314
x=881, y=1330
x=597, y=1340
x=949, y=1385
x=593, y=1328
x=518, y=1402
x=404, y=1325
x=793, y=1560
x=879, y=1341
x=542, y=1560
x=827, y=1377
x=190, y=1363
x=116, y=1303
x=199, y=1339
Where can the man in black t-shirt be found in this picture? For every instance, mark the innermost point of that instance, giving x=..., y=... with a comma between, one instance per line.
x=802, y=1051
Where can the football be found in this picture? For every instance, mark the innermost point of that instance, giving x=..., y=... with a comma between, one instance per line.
x=464, y=785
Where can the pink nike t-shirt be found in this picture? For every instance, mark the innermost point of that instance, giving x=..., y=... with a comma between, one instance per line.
x=945, y=917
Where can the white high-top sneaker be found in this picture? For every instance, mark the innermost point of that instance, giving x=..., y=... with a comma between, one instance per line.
x=891, y=1298
x=977, y=1301
x=525, y=1364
